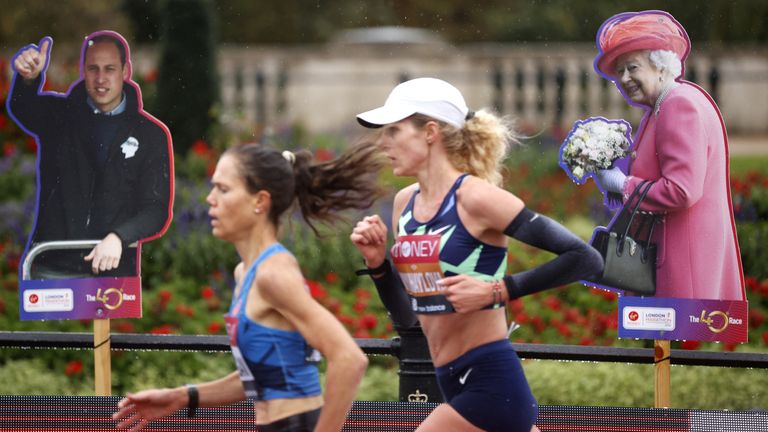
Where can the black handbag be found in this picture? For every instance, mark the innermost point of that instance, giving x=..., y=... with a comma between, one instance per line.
x=630, y=263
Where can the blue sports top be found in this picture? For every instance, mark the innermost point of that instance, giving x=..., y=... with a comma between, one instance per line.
x=272, y=363
x=457, y=252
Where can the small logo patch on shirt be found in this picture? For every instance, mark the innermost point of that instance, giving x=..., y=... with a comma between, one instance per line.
x=130, y=147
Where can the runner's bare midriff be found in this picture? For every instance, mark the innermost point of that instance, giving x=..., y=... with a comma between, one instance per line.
x=451, y=335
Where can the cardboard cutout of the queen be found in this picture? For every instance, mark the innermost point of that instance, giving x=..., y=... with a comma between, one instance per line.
x=679, y=153
x=104, y=183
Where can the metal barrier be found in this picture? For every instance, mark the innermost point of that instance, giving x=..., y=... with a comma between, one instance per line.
x=132, y=341
x=42, y=247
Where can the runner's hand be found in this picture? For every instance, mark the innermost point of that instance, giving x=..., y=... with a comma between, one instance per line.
x=370, y=238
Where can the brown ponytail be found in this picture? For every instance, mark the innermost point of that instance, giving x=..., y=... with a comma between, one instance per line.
x=322, y=189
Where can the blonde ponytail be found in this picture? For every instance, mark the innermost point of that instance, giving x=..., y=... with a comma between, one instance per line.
x=480, y=147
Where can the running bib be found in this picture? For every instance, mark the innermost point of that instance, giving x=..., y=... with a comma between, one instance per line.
x=417, y=259
x=246, y=377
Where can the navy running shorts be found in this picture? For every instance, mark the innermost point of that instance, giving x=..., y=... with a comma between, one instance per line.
x=487, y=386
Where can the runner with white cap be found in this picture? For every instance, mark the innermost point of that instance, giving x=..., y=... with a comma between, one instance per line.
x=450, y=252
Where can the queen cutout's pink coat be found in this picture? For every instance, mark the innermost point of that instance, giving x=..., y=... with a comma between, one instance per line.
x=684, y=148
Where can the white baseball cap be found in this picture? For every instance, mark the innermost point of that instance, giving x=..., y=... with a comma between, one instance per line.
x=429, y=96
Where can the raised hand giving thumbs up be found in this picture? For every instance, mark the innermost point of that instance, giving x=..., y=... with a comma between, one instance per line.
x=32, y=59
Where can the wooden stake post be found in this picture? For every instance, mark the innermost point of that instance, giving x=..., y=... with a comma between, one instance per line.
x=661, y=366
x=102, y=361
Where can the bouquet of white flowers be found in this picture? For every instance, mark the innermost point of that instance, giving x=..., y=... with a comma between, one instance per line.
x=594, y=144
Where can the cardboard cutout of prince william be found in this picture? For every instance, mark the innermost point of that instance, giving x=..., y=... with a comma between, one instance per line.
x=104, y=183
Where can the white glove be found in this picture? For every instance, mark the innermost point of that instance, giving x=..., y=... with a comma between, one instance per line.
x=611, y=180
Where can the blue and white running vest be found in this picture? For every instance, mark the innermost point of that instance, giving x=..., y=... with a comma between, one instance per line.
x=273, y=363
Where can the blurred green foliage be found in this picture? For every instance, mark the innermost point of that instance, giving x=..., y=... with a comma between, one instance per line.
x=187, y=85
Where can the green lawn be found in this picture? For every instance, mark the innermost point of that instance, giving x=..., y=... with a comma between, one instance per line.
x=742, y=164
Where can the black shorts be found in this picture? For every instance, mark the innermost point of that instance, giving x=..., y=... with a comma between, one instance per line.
x=304, y=422
x=487, y=387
